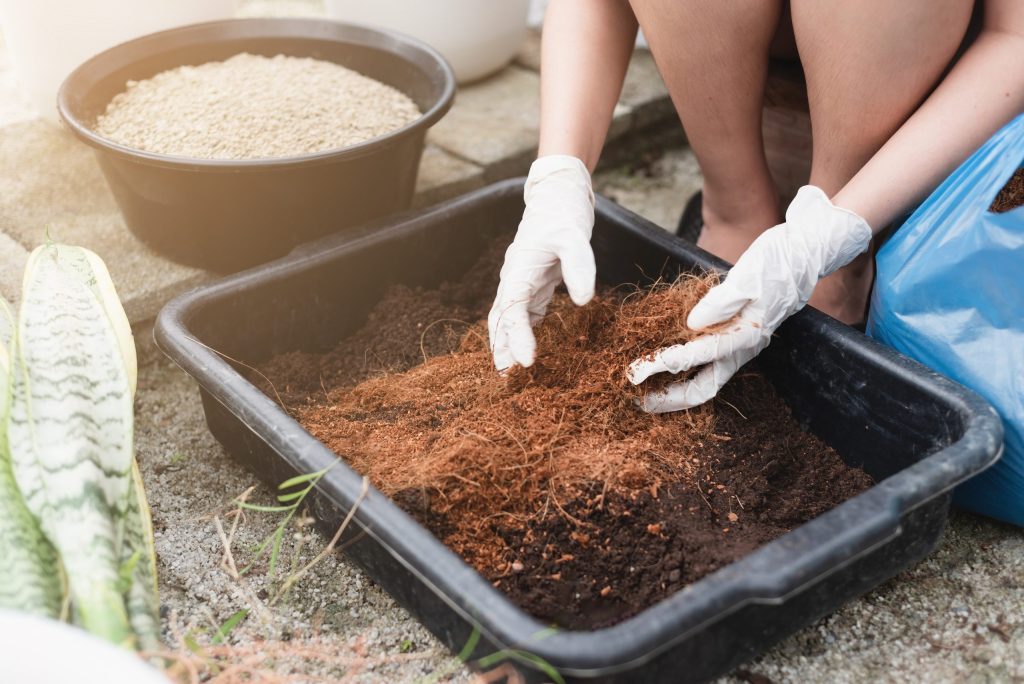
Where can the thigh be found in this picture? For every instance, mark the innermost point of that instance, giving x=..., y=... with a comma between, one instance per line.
x=868, y=65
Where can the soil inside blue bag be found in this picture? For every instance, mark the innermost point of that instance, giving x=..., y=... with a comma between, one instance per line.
x=1011, y=196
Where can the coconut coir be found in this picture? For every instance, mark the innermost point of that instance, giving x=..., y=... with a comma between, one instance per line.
x=1012, y=194
x=549, y=481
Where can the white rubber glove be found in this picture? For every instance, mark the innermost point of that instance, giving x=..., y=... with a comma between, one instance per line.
x=551, y=246
x=770, y=282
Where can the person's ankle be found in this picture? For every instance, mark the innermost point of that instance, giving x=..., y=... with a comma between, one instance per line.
x=728, y=237
x=725, y=241
x=844, y=294
x=733, y=219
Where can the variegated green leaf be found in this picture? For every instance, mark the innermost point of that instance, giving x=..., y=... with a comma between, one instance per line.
x=141, y=596
x=29, y=569
x=71, y=428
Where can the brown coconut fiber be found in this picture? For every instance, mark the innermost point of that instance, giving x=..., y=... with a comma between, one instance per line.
x=549, y=481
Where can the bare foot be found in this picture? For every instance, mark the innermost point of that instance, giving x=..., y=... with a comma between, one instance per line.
x=844, y=294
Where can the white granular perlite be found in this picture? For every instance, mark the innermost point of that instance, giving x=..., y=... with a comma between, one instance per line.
x=251, y=107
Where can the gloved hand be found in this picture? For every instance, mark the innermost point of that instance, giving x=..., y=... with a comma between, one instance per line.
x=771, y=281
x=552, y=245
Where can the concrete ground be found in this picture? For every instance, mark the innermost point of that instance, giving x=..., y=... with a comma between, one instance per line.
x=954, y=618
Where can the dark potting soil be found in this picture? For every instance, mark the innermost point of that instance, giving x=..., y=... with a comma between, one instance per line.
x=763, y=477
x=1012, y=194
x=407, y=326
x=575, y=540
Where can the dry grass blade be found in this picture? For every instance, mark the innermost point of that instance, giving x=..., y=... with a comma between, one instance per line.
x=276, y=662
x=299, y=574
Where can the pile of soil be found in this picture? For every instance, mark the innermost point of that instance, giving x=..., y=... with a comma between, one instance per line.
x=1012, y=194
x=406, y=327
x=549, y=481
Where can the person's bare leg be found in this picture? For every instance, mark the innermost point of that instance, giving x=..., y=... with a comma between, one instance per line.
x=714, y=59
x=586, y=46
x=868, y=65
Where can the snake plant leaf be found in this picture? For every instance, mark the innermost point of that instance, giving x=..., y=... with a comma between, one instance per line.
x=29, y=569
x=71, y=430
x=138, y=554
x=91, y=270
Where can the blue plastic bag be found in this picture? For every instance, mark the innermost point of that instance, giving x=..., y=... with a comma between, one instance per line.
x=950, y=293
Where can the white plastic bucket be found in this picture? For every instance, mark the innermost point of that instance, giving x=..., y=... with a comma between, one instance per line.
x=47, y=39
x=38, y=650
x=477, y=37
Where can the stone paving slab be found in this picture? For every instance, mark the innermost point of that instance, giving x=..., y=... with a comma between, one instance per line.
x=657, y=191
x=494, y=123
x=443, y=176
x=645, y=93
x=52, y=183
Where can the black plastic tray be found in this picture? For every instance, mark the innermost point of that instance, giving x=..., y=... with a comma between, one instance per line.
x=917, y=433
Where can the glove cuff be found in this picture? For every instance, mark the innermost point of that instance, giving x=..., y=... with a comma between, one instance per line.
x=562, y=168
x=835, y=235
